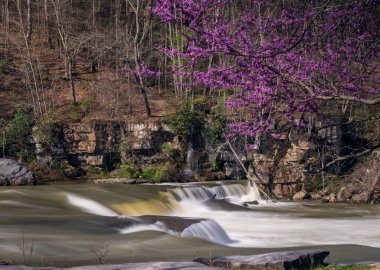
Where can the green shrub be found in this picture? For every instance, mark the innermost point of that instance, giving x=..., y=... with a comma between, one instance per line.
x=156, y=173
x=183, y=122
x=129, y=170
x=200, y=103
x=167, y=148
x=3, y=65
x=18, y=131
x=44, y=129
x=215, y=130
x=82, y=108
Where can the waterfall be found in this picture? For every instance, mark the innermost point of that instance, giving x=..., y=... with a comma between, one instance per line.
x=236, y=193
x=208, y=230
x=191, y=161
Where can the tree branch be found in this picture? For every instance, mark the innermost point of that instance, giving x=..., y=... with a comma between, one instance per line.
x=311, y=92
x=351, y=156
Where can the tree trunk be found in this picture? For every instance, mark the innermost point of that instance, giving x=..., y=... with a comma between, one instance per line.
x=28, y=22
x=72, y=80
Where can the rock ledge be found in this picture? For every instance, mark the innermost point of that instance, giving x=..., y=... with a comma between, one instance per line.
x=298, y=259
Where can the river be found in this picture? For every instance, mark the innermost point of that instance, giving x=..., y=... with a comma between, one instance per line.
x=70, y=224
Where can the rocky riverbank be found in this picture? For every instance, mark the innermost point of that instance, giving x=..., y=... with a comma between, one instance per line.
x=150, y=151
x=303, y=259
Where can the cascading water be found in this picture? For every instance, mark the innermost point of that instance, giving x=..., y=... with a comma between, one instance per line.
x=209, y=230
x=235, y=193
x=191, y=161
x=143, y=219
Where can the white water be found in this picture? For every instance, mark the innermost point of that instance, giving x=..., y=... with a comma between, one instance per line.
x=158, y=226
x=209, y=230
x=191, y=162
x=90, y=206
x=234, y=193
x=266, y=228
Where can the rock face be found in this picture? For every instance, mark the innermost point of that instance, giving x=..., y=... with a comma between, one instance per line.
x=97, y=145
x=279, y=166
x=103, y=144
x=13, y=174
x=304, y=259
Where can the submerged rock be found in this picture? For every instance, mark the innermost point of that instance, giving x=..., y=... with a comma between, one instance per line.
x=248, y=204
x=14, y=174
x=168, y=223
x=298, y=259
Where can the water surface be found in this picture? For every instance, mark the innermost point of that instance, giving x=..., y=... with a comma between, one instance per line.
x=66, y=224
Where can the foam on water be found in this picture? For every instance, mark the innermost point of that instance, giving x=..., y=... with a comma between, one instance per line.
x=267, y=228
x=90, y=206
x=235, y=193
x=158, y=226
x=208, y=230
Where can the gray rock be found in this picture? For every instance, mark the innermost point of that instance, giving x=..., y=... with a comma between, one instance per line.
x=171, y=223
x=233, y=170
x=13, y=174
x=298, y=259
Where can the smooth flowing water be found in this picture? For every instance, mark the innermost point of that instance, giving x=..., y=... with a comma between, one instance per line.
x=69, y=224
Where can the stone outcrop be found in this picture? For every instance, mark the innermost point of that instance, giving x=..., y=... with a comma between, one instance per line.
x=13, y=174
x=97, y=145
x=280, y=165
x=299, y=259
x=80, y=147
x=363, y=185
x=227, y=162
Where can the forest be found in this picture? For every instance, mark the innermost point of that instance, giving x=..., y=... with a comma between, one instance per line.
x=249, y=71
x=178, y=134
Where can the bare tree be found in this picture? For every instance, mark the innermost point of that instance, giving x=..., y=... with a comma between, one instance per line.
x=142, y=24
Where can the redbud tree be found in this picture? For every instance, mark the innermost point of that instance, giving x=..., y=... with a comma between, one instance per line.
x=284, y=57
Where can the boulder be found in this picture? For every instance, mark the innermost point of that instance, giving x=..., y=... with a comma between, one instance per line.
x=376, y=198
x=329, y=199
x=301, y=195
x=297, y=259
x=346, y=192
x=13, y=174
x=362, y=197
x=316, y=196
